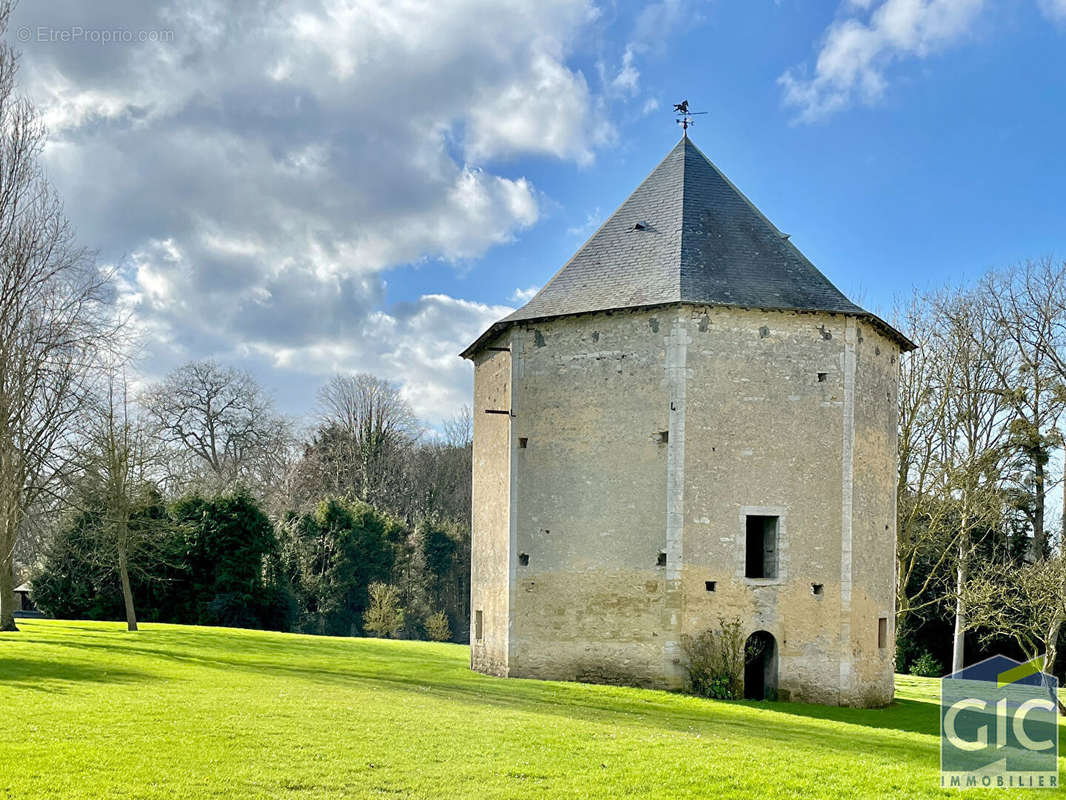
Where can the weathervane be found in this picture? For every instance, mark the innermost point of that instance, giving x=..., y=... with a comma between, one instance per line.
x=686, y=116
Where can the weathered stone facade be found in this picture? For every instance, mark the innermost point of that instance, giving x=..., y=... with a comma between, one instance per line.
x=785, y=414
x=639, y=450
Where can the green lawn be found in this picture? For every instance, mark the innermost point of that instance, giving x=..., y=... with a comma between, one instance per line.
x=183, y=712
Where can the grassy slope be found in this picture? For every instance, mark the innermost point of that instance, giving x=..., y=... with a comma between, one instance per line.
x=172, y=711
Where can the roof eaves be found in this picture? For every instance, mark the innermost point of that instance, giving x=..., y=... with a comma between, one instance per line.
x=906, y=345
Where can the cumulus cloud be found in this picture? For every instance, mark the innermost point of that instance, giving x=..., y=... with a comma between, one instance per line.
x=256, y=172
x=865, y=41
x=416, y=344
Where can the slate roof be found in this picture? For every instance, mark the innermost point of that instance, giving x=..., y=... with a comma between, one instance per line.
x=686, y=235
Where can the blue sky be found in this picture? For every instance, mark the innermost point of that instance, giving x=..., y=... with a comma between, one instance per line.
x=320, y=186
x=957, y=168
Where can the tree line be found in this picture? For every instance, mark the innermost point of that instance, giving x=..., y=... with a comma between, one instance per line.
x=196, y=502
x=980, y=566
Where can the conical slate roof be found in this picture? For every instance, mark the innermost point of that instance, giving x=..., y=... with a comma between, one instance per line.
x=686, y=235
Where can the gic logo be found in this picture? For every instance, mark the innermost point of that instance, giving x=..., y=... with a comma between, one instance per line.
x=999, y=726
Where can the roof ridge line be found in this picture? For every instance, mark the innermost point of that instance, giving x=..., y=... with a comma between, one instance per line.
x=681, y=233
x=609, y=217
x=786, y=236
x=735, y=188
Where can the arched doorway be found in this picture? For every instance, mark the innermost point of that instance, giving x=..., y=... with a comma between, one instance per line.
x=760, y=666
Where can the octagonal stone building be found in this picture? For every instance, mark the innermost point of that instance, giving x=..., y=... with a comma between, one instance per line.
x=688, y=423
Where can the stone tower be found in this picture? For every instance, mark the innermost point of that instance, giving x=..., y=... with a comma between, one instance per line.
x=688, y=423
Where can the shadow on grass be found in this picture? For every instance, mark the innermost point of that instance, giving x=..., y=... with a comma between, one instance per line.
x=411, y=668
x=48, y=675
x=905, y=715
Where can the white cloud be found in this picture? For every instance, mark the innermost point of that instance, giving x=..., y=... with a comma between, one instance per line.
x=524, y=295
x=650, y=35
x=290, y=324
x=257, y=176
x=628, y=78
x=545, y=110
x=856, y=53
x=418, y=346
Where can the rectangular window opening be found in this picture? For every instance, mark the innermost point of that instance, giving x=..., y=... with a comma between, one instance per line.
x=882, y=632
x=816, y=588
x=822, y=376
x=761, y=547
x=522, y=442
x=479, y=625
x=523, y=559
x=661, y=560
x=710, y=585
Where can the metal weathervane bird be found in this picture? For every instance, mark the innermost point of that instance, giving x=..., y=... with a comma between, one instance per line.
x=686, y=116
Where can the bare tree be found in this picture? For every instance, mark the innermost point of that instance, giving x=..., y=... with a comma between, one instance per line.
x=971, y=448
x=52, y=317
x=1019, y=309
x=458, y=430
x=40, y=523
x=370, y=428
x=119, y=461
x=439, y=474
x=1025, y=603
x=222, y=420
x=1043, y=285
x=927, y=536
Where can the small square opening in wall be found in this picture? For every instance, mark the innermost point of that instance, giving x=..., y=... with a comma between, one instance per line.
x=817, y=589
x=523, y=559
x=882, y=632
x=823, y=377
x=479, y=625
x=523, y=442
x=710, y=586
x=760, y=546
x=660, y=560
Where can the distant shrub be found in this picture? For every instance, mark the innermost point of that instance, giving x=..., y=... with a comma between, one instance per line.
x=715, y=661
x=437, y=627
x=925, y=666
x=384, y=618
x=332, y=555
x=228, y=540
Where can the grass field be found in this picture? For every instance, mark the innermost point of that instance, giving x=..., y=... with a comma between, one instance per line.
x=182, y=712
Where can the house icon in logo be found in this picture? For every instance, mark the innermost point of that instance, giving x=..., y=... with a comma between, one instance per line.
x=999, y=726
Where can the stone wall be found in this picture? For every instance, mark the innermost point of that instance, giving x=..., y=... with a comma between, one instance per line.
x=590, y=499
x=765, y=436
x=874, y=521
x=640, y=442
x=491, y=556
